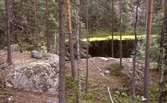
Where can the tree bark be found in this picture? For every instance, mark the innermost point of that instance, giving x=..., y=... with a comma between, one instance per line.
x=134, y=55
x=36, y=27
x=9, y=58
x=78, y=46
x=147, y=53
x=112, y=42
x=164, y=35
x=70, y=39
x=47, y=32
x=120, y=21
x=61, y=53
x=87, y=45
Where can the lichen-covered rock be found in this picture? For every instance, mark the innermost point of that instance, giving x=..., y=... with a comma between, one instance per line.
x=36, y=54
x=36, y=76
x=13, y=48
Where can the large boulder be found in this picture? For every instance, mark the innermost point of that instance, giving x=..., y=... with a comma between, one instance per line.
x=38, y=76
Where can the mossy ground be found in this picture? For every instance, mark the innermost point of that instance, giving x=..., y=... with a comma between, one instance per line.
x=97, y=91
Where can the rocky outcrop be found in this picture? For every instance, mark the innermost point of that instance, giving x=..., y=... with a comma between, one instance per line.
x=38, y=76
x=36, y=54
x=13, y=48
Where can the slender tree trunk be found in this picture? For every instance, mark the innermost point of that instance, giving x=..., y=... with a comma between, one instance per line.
x=9, y=58
x=55, y=41
x=70, y=39
x=36, y=28
x=15, y=38
x=78, y=47
x=112, y=42
x=61, y=53
x=47, y=32
x=147, y=53
x=87, y=45
x=163, y=54
x=120, y=34
x=90, y=15
x=134, y=55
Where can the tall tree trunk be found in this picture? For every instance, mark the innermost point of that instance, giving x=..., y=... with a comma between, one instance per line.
x=87, y=44
x=70, y=39
x=36, y=28
x=134, y=55
x=47, y=32
x=147, y=53
x=78, y=46
x=163, y=54
x=61, y=53
x=112, y=42
x=9, y=58
x=120, y=20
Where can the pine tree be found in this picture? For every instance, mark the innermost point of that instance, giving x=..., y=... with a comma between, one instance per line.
x=120, y=23
x=87, y=45
x=62, y=52
x=9, y=58
x=36, y=27
x=112, y=42
x=70, y=39
x=134, y=55
x=147, y=53
x=47, y=24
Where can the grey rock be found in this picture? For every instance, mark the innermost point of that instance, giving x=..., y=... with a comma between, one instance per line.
x=102, y=74
x=53, y=60
x=107, y=72
x=4, y=66
x=10, y=99
x=36, y=54
x=35, y=77
x=50, y=101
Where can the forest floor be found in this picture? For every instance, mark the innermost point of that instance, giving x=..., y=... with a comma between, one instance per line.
x=97, y=85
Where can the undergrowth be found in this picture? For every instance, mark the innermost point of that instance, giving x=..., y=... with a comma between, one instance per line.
x=5, y=93
x=114, y=69
x=97, y=91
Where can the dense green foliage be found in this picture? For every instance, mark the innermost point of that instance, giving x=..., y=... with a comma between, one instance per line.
x=154, y=49
x=23, y=21
x=100, y=19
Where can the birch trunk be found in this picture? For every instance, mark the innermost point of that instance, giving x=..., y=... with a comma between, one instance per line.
x=77, y=19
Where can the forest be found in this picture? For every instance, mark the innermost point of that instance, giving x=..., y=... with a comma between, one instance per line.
x=83, y=29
